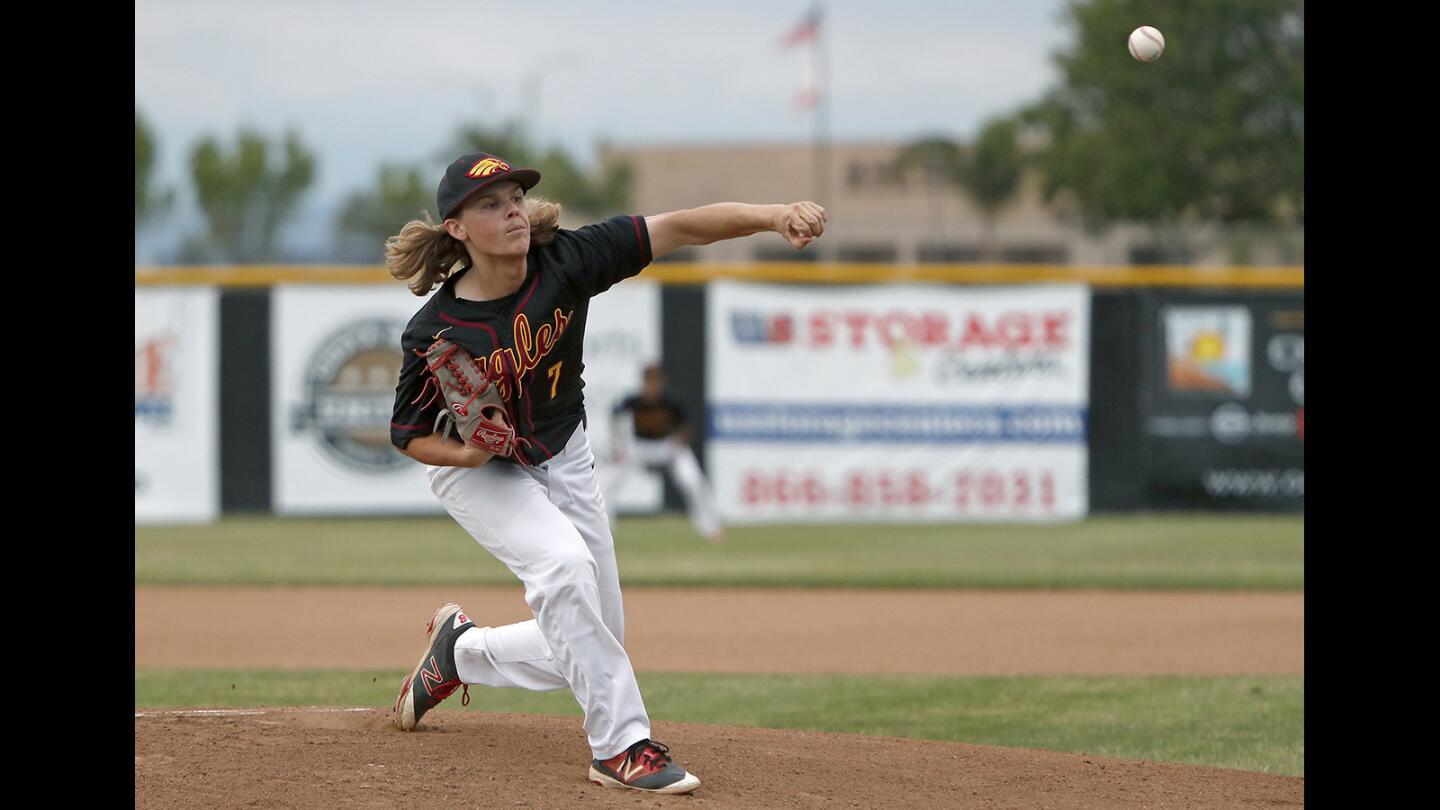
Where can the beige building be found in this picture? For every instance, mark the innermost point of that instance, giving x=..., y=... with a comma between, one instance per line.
x=878, y=215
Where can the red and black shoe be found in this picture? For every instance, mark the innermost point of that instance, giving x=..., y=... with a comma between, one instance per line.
x=436, y=677
x=646, y=765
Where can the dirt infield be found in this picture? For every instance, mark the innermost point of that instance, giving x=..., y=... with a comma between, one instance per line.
x=331, y=757
x=757, y=630
x=308, y=758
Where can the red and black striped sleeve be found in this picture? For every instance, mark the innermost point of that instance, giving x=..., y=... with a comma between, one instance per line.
x=417, y=402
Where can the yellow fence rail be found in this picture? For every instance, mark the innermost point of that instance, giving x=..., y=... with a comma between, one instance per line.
x=827, y=273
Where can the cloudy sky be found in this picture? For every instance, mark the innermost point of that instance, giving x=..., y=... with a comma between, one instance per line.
x=366, y=81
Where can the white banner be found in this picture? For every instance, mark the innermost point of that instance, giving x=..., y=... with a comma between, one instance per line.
x=177, y=475
x=335, y=359
x=335, y=354
x=905, y=402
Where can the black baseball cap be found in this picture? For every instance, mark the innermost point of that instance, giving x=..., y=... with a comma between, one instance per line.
x=470, y=173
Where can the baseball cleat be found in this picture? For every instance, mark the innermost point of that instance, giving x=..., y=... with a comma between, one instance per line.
x=436, y=677
x=646, y=765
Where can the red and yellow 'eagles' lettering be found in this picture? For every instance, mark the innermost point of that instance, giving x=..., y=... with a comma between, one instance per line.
x=508, y=364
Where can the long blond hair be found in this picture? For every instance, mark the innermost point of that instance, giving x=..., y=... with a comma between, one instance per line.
x=426, y=254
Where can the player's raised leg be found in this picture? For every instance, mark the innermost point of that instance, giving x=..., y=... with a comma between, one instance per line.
x=560, y=575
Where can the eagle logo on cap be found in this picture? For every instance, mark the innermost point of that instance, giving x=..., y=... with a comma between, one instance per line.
x=487, y=167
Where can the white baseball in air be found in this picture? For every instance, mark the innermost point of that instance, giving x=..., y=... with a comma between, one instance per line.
x=1146, y=43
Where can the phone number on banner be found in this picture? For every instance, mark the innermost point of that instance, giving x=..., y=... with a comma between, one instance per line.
x=1021, y=491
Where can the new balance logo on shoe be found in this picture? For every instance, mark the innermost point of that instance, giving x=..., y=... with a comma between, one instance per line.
x=430, y=675
x=627, y=774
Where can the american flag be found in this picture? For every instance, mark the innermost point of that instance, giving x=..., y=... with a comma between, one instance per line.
x=806, y=31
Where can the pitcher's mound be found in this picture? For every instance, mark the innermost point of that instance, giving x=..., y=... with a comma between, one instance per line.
x=331, y=758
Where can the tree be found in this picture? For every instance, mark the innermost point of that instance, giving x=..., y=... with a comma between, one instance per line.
x=1212, y=132
x=992, y=173
x=369, y=217
x=244, y=196
x=939, y=159
x=988, y=172
x=150, y=200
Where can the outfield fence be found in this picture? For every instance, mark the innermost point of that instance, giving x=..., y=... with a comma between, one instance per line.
x=819, y=392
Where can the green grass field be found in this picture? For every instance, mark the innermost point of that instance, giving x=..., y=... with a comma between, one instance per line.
x=1129, y=552
x=1250, y=723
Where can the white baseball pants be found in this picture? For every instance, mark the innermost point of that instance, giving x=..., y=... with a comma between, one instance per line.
x=684, y=468
x=548, y=525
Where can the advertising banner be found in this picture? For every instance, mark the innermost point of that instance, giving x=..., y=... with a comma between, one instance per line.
x=336, y=358
x=177, y=465
x=1224, y=401
x=905, y=402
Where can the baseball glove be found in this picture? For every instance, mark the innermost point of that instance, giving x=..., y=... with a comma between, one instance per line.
x=471, y=401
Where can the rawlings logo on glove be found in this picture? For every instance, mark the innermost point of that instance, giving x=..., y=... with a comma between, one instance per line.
x=472, y=401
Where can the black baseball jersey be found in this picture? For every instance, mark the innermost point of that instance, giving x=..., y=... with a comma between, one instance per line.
x=655, y=419
x=530, y=341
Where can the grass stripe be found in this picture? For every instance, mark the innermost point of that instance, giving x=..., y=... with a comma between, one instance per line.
x=1251, y=723
x=1114, y=552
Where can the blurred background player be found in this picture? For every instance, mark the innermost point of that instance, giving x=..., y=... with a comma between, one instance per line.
x=650, y=432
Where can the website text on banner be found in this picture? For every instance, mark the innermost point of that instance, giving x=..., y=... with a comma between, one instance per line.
x=177, y=475
x=335, y=359
x=905, y=402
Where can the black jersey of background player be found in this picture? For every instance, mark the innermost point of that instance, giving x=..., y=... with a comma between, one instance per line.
x=654, y=419
x=530, y=341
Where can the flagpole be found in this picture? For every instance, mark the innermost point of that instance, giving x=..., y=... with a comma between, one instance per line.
x=821, y=145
